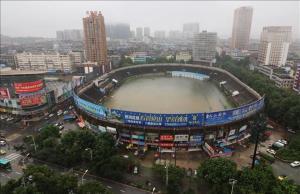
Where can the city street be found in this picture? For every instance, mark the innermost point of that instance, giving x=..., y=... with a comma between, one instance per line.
x=281, y=168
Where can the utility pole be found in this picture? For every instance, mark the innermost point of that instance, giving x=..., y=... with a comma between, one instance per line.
x=167, y=174
x=232, y=182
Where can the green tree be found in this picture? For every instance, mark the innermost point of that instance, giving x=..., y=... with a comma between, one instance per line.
x=216, y=172
x=93, y=187
x=175, y=177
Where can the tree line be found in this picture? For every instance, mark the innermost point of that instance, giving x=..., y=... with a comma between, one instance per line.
x=282, y=105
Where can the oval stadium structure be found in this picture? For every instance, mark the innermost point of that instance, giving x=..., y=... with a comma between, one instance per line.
x=188, y=130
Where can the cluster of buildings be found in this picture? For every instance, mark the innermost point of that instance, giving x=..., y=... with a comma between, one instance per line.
x=69, y=35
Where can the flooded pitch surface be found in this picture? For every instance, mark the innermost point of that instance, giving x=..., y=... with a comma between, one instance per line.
x=158, y=94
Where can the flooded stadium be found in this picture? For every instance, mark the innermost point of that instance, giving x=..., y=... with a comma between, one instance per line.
x=161, y=94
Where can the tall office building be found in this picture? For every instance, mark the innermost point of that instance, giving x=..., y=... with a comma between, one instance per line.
x=274, y=45
x=147, y=31
x=95, y=39
x=204, y=46
x=139, y=33
x=189, y=29
x=118, y=31
x=160, y=34
x=241, y=28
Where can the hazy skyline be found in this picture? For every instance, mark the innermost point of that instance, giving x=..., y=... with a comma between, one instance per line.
x=44, y=18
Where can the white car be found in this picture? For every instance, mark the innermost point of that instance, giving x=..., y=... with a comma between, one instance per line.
x=60, y=112
x=61, y=127
x=2, y=143
x=283, y=141
x=271, y=151
x=51, y=115
x=10, y=119
x=66, y=112
x=295, y=164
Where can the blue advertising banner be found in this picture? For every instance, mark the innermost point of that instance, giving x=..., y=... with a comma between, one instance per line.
x=223, y=117
x=151, y=119
x=94, y=109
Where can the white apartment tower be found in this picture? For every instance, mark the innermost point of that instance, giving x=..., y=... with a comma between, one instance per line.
x=274, y=45
x=204, y=46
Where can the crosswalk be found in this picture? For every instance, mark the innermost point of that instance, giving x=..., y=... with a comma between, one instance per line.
x=11, y=157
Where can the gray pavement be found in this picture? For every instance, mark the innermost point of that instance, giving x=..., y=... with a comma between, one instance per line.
x=281, y=168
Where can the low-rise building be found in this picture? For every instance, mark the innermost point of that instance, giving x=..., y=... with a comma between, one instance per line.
x=183, y=56
x=296, y=84
x=49, y=62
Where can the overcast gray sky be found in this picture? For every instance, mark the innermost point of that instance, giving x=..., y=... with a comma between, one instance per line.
x=43, y=18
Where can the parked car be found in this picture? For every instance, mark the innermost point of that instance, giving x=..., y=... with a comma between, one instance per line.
x=271, y=151
x=51, y=115
x=291, y=131
x=59, y=112
x=9, y=119
x=66, y=112
x=277, y=145
x=3, y=117
x=282, y=141
x=2, y=152
x=295, y=164
x=61, y=127
x=71, y=107
x=2, y=143
x=282, y=177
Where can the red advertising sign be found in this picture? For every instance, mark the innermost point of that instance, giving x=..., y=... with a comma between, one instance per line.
x=32, y=100
x=29, y=86
x=4, y=93
x=166, y=137
x=166, y=145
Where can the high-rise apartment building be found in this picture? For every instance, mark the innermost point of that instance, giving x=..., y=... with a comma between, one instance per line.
x=160, y=34
x=204, y=46
x=296, y=85
x=65, y=35
x=118, y=31
x=274, y=45
x=189, y=29
x=139, y=33
x=95, y=39
x=241, y=28
x=147, y=31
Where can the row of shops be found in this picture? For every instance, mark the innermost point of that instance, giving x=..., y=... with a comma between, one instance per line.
x=215, y=144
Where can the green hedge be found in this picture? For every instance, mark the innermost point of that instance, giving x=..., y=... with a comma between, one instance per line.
x=267, y=157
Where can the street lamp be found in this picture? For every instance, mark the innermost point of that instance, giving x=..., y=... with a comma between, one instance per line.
x=153, y=190
x=33, y=141
x=23, y=161
x=91, y=152
x=83, y=175
x=232, y=182
x=167, y=174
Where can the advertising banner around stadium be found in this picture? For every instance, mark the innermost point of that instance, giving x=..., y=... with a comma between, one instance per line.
x=150, y=119
x=223, y=117
x=33, y=99
x=4, y=93
x=94, y=109
x=27, y=87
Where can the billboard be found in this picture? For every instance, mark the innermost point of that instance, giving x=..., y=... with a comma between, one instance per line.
x=181, y=137
x=152, y=119
x=91, y=108
x=227, y=116
x=26, y=87
x=4, y=93
x=33, y=99
x=166, y=138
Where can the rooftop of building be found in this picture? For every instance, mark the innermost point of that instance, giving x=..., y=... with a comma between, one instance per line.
x=19, y=72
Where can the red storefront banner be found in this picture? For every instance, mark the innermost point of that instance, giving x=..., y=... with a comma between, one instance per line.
x=33, y=100
x=29, y=86
x=4, y=93
x=166, y=145
x=166, y=138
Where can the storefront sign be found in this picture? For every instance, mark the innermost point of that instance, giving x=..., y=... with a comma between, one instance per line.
x=4, y=93
x=183, y=137
x=166, y=138
x=32, y=99
x=27, y=87
x=166, y=144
